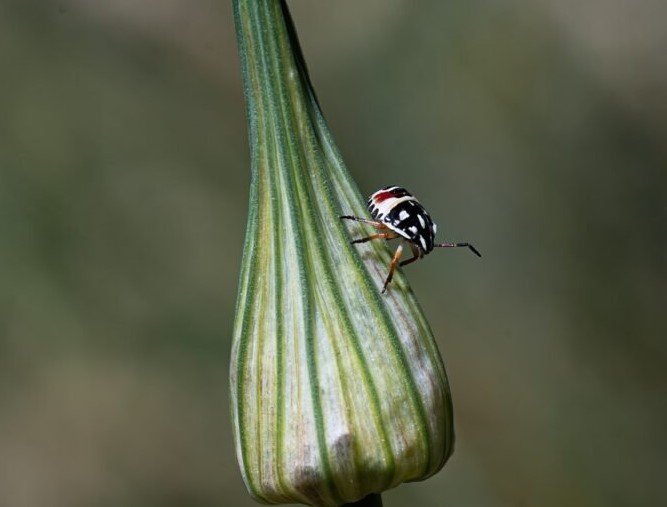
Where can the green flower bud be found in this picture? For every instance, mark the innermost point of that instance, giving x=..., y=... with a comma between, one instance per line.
x=337, y=391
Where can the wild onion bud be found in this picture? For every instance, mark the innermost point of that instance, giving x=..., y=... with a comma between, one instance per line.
x=337, y=391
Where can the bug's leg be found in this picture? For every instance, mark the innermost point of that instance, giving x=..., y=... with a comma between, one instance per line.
x=383, y=235
x=454, y=245
x=415, y=256
x=377, y=225
x=392, y=267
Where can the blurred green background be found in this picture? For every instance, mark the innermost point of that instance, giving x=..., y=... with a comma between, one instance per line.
x=535, y=129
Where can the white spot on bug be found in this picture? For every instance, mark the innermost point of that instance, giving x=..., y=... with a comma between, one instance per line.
x=413, y=229
x=403, y=215
x=435, y=228
x=421, y=220
x=423, y=242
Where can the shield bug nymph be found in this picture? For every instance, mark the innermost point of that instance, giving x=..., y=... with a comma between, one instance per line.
x=398, y=214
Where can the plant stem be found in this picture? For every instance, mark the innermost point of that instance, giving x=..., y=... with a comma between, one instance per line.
x=373, y=500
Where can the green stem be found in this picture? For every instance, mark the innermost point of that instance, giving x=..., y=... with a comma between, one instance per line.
x=374, y=500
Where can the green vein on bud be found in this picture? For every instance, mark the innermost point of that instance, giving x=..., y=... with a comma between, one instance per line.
x=337, y=391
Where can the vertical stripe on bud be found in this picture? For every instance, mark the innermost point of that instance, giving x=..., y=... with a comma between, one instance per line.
x=337, y=391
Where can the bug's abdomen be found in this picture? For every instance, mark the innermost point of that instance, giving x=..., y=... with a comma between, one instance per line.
x=399, y=210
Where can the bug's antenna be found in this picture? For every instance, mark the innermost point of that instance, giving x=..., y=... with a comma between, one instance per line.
x=454, y=245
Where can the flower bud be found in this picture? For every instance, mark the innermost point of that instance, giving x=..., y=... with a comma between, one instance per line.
x=337, y=391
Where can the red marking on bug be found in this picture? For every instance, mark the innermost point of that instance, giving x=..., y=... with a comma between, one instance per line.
x=383, y=196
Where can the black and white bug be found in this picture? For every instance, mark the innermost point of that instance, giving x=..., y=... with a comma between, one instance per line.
x=397, y=212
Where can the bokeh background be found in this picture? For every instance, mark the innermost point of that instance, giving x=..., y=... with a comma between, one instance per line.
x=535, y=129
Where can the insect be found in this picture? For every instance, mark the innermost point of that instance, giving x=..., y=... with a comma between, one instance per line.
x=398, y=214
